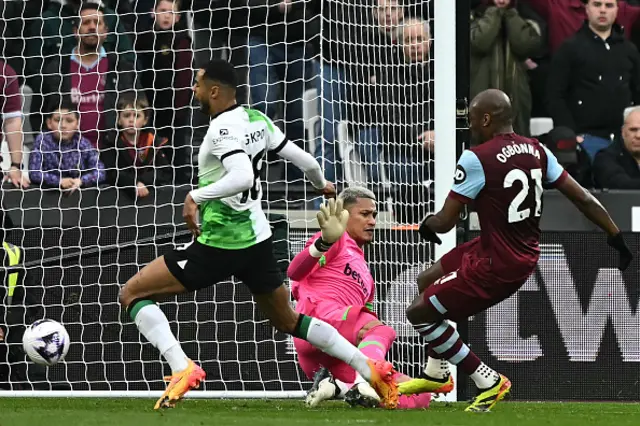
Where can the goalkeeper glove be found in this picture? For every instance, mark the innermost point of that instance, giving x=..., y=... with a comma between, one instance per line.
x=618, y=243
x=332, y=219
x=426, y=233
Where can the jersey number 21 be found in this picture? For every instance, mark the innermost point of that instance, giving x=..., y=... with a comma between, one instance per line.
x=515, y=214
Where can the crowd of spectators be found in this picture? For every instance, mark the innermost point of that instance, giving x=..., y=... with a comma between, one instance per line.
x=112, y=101
x=576, y=63
x=111, y=83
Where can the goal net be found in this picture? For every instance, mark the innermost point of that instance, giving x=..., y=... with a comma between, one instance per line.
x=350, y=81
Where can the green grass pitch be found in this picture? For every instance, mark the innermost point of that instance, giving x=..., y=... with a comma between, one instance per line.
x=139, y=412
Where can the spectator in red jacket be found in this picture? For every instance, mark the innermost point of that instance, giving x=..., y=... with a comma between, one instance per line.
x=93, y=77
x=565, y=17
x=594, y=76
x=11, y=106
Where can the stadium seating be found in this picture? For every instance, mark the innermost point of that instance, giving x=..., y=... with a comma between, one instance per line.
x=540, y=125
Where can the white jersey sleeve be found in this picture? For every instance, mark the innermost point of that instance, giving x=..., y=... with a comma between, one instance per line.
x=304, y=161
x=239, y=177
x=276, y=140
x=225, y=141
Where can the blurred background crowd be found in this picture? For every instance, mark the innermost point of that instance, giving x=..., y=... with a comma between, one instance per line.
x=99, y=93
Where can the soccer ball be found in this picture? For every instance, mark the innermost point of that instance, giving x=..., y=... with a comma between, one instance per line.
x=46, y=342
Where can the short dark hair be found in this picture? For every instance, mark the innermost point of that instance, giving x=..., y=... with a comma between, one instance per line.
x=133, y=99
x=87, y=6
x=58, y=103
x=176, y=3
x=221, y=71
x=90, y=5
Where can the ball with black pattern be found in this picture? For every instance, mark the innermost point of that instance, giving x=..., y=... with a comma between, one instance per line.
x=46, y=342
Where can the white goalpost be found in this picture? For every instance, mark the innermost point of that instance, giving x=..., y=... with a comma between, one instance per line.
x=445, y=123
x=347, y=107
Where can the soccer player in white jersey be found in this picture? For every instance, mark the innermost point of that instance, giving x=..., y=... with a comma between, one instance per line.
x=335, y=285
x=234, y=239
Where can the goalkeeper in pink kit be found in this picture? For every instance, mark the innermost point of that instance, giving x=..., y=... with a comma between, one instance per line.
x=331, y=281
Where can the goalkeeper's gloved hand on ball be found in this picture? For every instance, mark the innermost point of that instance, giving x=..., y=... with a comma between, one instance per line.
x=426, y=233
x=618, y=243
x=332, y=219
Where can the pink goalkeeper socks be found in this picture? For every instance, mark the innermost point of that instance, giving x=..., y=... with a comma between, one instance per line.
x=375, y=345
x=414, y=401
x=377, y=342
x=411, y=401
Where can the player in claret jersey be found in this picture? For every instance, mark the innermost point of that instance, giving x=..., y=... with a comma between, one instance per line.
x=502, y=176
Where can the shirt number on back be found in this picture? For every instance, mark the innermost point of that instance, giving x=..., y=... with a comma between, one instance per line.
x=515, y=214
x=253, y=192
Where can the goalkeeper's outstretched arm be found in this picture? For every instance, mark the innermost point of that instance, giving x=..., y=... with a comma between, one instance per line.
x=332, y=219
x=303, y=262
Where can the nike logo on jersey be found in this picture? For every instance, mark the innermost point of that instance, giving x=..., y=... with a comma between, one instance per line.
x=356, y=276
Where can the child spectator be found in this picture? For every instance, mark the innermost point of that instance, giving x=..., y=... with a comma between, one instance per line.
x=166, y=57
x=62, y=157
x=136, y=158
x=93, y=76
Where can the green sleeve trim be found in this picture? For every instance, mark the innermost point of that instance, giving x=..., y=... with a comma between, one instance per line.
x=369, y=343
x=346, y=312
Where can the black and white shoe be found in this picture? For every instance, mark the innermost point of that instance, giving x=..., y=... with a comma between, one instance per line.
x=362, y=395
x=324, y=388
